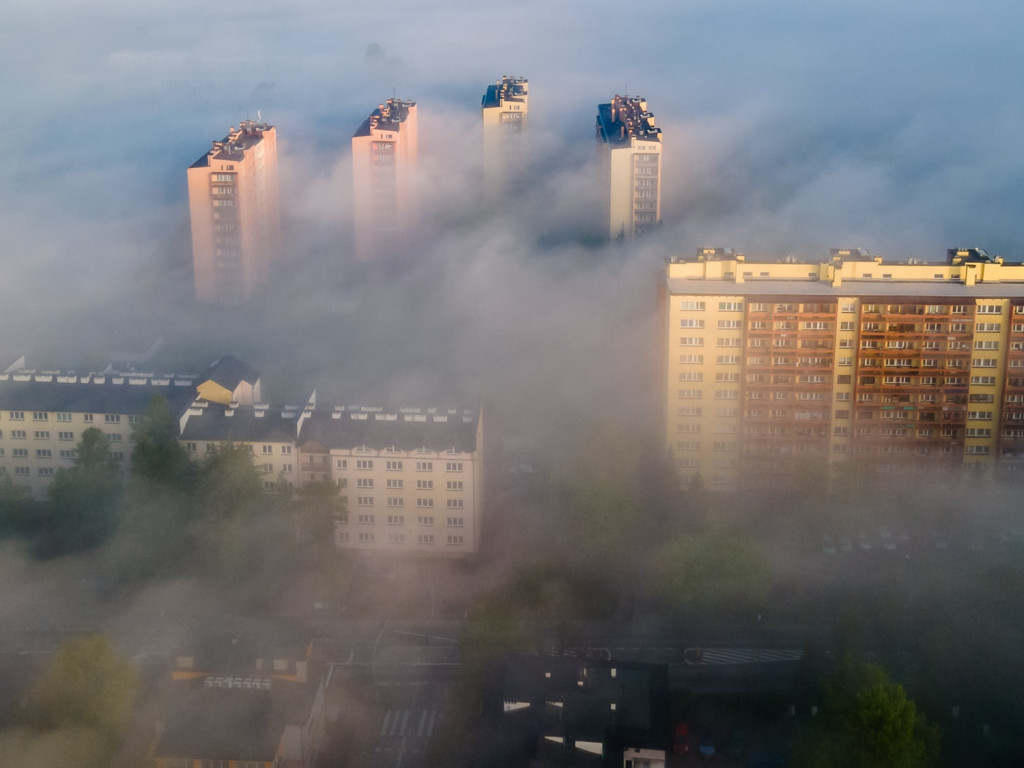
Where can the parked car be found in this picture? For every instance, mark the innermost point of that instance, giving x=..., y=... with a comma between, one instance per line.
x=681, y=740
x=706, y=746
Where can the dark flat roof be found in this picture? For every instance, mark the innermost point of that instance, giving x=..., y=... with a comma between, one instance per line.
x=81, y=397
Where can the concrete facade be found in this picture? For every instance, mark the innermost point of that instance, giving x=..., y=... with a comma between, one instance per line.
x=778, y=369
x=385, y=150
x=504, y=109
x=630, y=151
x=235, y=213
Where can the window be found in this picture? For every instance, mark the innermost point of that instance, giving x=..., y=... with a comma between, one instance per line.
x=984, y=381
x=453, y=466
x=454, y=485
x=984, y=362
x=692, y=306
x=44, y=453
x=366, y=537
x=424, y=503
x=691, y=376
x=691, y=341
x=40, y=416
x=728, y=360
x=727, y=394
x=63, y=417
x=977, y=450
x=87, y=418
x=17, y=416
x=21, y=471
x=365, y=519
x=730, y=306
x=454, y=504
x=691, y=359
x=20, y=453
x=424, y=466
x=988, y=327
x=45, y=471
x=395, y=519
x=425, y=520
x=42, y=435
x=978, y=432
x=729, y=342
x=455, y=540
x=287, y=449
x=267, y=449
x=393, y=466
x=990, y=309
x=65, y=435
x=364, y=463
x=723, y=377
x=396, y=501
x=689, y=394
x=729, y=325
x=979, y=415
x=364, y=501
x=456, y=522
x=847, y=325
x=425, y=538
x=112, y=418
x=396, y=483
x=691, y=322
x=364, y=482
x=986, y=345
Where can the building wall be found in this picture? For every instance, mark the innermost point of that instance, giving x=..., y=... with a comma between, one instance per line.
x=504, y=135
x=777, y=371
x=235, y=215
x=384, y=159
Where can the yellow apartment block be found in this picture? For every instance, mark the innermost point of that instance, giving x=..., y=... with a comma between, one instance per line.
x=776, y=370
x=235, y=213
x=504, y=110
x=630, y=151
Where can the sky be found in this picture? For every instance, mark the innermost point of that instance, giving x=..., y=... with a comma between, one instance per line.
x=790, y=127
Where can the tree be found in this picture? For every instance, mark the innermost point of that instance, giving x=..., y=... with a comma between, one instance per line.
x=83, y=501
x=18, y=511
x=867, y=722
x=710, y=571
x=158, y=455
x=81, y=702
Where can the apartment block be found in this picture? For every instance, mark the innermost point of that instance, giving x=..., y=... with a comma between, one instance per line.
x=504, y=112
x=235, y=213
x=629, y=145
x=413, y=477
x=775, y=370
x=384, y=157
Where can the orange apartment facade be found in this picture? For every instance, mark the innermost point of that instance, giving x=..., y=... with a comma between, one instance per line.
x=781, y=370
x=385, y=149
x=235, y=213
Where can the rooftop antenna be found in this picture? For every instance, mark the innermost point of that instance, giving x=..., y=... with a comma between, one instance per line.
x=259, y=116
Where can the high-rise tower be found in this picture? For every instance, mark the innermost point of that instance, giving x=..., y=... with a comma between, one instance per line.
x=504, y=110
x=384, y=152
x=630, y=148
x=236, y=220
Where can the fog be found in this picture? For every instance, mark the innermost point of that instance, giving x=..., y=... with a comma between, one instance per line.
x=789, y=128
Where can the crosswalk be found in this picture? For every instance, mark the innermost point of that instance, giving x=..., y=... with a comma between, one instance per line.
x=710, y=656
x=413, y=723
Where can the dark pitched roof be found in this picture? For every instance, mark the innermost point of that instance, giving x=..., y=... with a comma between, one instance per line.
x=229, y=372
x=438, y=431
x=110, y=396
x=244, y=425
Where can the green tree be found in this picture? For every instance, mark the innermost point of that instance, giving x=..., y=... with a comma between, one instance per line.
x=83, y=501
x=867, y=722
x=84, y=697
x=710, y=571
x=158, y=455
x=228, y=511
x=18, y=511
